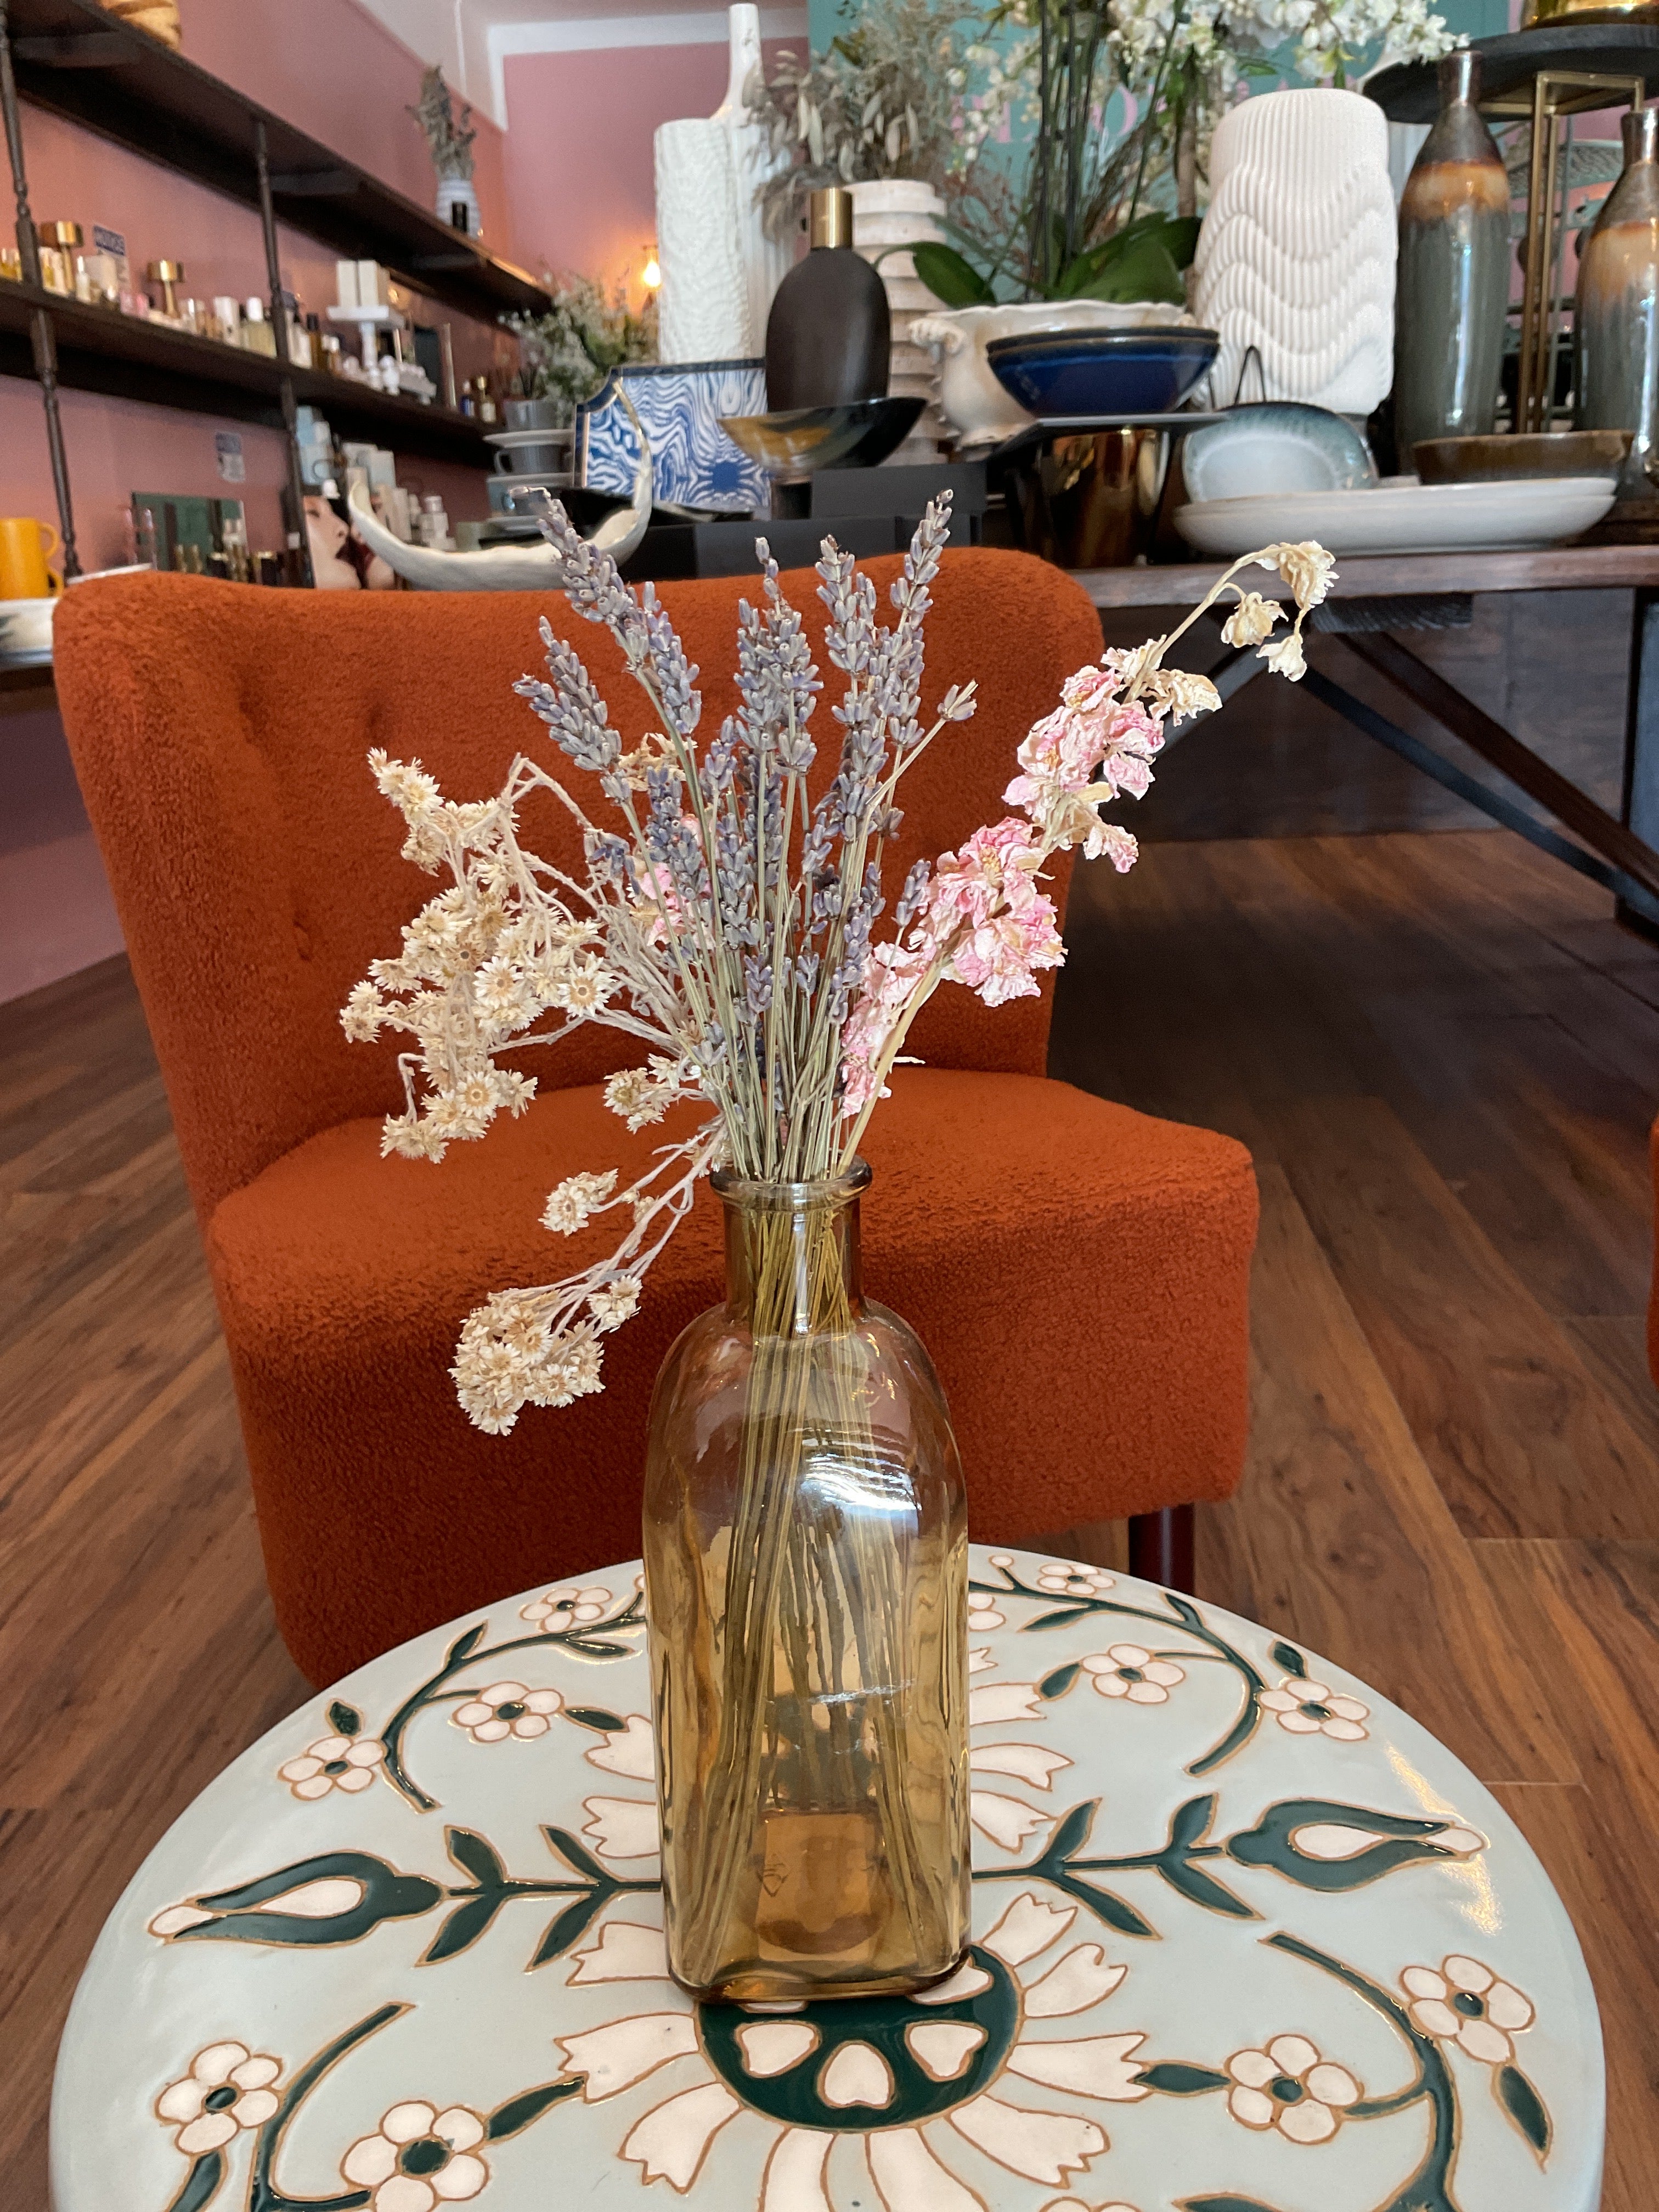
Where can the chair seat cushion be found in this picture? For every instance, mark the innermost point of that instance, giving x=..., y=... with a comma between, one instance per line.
x=1077, y=1271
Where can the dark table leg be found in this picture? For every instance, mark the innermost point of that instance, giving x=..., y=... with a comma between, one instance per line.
x=1161, y=1547
x=1640, y=810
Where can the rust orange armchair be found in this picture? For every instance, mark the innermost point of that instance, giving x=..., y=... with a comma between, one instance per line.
x=1077, y=1271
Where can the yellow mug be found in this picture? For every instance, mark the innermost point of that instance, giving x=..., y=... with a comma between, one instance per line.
x=26, y=558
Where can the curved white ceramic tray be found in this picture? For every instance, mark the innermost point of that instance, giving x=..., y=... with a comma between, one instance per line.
x=1402, y=518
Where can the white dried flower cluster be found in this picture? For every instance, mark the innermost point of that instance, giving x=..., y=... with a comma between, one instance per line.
x=725, y=916
x=1329, y=38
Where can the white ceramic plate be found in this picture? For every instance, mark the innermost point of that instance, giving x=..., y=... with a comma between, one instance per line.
x=510, y=441
x=1402, y=518
x=1280, y=447
x=26, y=629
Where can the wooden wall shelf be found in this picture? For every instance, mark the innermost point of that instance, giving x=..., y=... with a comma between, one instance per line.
x=71, y=57
x=100, y=350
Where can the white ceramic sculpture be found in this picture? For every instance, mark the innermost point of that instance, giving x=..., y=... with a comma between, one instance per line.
x=766, y=261
x=895, y=212
x=1296, y=254
x=704, y=303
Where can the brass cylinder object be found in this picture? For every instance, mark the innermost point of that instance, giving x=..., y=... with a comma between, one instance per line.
x=60, y=234
x=830, y=221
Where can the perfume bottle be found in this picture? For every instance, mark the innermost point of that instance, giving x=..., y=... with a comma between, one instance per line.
x=828, y=337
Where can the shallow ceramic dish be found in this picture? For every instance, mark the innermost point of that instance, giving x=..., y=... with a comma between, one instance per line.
x=26, y=629
x=798, y=439
x=1403, y=518
x=1511, y=460
x=1279, y=447
x=1102, y=371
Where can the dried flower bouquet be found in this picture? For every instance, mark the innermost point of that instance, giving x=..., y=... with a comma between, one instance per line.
x=727, y=918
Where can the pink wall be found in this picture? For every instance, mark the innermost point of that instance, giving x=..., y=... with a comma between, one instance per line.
x=580, y=168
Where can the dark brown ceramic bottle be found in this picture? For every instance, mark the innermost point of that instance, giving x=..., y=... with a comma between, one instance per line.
x=828, y=338
x=1616, y=315
x=1453, y=278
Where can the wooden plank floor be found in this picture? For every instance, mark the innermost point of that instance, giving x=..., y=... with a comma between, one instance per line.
x=1444, y=1057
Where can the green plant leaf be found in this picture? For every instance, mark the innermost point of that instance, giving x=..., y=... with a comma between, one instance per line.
x=951, y=276
x=475, y=1857
x=569, y=1927
x=1172, y=2079
x=344, y=1719
x=463, y=1929
x=1289, y=1661
x=1147, y=270
x=1057, y=1684
x=466, y=1644
x=514, y=2117
x=200, y=2182
x=1190, y=1822
x=1524, y=2107
x=594, y=1717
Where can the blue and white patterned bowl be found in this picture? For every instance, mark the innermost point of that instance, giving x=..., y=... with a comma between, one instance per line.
x=679, y=403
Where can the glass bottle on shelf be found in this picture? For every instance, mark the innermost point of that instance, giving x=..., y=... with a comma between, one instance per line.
x=1616, y=314
x=1453, y=285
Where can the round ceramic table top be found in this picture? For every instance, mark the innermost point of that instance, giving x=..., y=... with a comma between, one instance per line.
x=1247, y=1940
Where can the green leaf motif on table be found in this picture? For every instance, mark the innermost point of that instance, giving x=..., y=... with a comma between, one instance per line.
x=384, y=1894
x=1290, y=1660
x=466, y=1644
x=465, y=1926
x=1057, y=1684
x=1063, y=1618
x=1103, y=1904
x=595, y=1648
x=570, y=1926
x=1524, y=2108
x=1228, y=2203
x=517, y=2114
x=1190, y=1823
x=1200, y=1888
x=595, y=1716
x=575, y=1856
x=344, y=1719
x=1072, y=1833
x=200, y=2182
x=475, y=1857
x=1402, y=1841
x=1172, y=2079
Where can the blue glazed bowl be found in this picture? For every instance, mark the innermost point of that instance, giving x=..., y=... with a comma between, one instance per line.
x=1145, y=371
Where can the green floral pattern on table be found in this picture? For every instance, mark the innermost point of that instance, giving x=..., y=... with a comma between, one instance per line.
x=1052, y=2072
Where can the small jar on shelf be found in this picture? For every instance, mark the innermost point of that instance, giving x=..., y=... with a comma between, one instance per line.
x=57, y=243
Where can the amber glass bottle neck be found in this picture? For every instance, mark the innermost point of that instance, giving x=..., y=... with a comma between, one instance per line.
x=792, y=1261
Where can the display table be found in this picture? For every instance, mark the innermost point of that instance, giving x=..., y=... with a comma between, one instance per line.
x=1248, y=1940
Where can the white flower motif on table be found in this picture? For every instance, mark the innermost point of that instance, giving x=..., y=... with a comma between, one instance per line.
x=507, y=1709
x=1129, y=1670
x=419, y=2157
x=622, y=1827
x=228, y=2087
x=566, y=1608
x=983, y=1614
x=333, y=1762
x=982, y=1660
x=1308, y=1707
x=1290, y=2088
x=772, y=2060
x=1065, y=1578
x=1467, y=2004
x=1009, y=1820
x=1076, y=2204
x=630, y=1750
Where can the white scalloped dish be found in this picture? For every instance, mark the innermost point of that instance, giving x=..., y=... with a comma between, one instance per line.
x=1405, y=517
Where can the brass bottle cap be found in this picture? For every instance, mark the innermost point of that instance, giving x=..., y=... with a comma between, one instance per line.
x=58, y=233
x=831, y=218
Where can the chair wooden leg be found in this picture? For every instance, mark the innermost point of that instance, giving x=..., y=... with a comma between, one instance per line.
x=1161, y=1547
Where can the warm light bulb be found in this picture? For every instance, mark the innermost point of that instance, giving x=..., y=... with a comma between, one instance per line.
x=651, y=275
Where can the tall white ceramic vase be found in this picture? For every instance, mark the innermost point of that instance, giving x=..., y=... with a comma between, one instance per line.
x=898, y=211
x=1296, y=254
x=703, y=314
x=766, y=261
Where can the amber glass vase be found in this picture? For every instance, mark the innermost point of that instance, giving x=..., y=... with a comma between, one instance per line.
x=806, y=1576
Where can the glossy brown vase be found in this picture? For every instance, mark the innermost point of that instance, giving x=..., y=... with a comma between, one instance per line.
x=807, y=1577
x=828, y=337
x=1453, y=283
x=1616, y=314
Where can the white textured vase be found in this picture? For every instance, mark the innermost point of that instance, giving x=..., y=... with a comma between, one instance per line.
x=766, y=261
x=704, y=303
x=1296, y=254
x=451, y=189
x=898, y=211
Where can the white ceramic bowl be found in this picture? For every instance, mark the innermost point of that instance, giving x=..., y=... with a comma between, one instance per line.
x=1402, y=518
x=25, y=629
x=980, y=412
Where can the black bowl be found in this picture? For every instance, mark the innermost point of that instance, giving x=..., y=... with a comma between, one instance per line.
x=801, y=439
